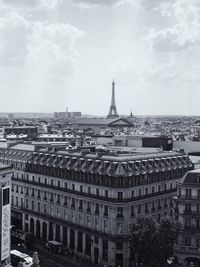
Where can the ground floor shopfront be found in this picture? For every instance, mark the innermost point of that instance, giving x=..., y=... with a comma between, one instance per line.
x=98, y=248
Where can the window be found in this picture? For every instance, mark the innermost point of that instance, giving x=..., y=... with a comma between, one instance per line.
x=33, y=178
x=187, y=222
x=72, y=203
x=198, y=207
x=45, y=180
x=139, y=208
x=97, y=208
x=146, y=191
x=33, y=193
x=146, y=207
x=38, y=193
x=32, y=204
x=65, y=185
x=153, y=189
x=120, y=195
x=80, y=204
x=39, y=180
x=188, y=193
x=105, y=210
x=132, y=194
x=187, y=241
x=119, y=212
x=65, y=201
x=81, y=188
x=89, y=190
x=106, y=193
x=132, y=211
x=198, y=223
x=58, y=199
x=51, y=182
x=38, y=207
x=188, y=206
x=73, y=186
x=139, y=192
x=88, y=206
x=58, y=183
x=119, y=245
x=97, y=192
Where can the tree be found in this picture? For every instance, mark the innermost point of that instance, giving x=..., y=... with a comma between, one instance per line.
x=168, y=233
x=144, y=234
x=152, y=243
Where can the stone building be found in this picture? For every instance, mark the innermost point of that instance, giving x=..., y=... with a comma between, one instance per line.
x=187, y=248
x=87, y=200
x=5, y=213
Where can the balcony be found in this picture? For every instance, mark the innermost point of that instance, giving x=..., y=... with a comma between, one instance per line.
x=186, y=249
x=186, y=197
x=93, y=196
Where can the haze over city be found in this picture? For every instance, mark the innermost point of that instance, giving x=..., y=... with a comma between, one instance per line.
x=65, y=53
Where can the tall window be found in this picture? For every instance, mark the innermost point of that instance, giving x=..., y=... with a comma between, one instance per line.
x=119, y=212
x=120, y=195
x=97, y=208
x=105, y=210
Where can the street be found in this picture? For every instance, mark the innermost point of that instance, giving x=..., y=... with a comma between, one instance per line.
x=48, y=259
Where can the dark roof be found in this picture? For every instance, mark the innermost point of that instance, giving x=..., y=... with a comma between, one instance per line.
x=192, y=177
x=115, y=165
x=99, y=121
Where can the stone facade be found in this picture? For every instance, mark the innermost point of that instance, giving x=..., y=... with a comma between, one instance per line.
x=188, y=214
x=87, y=201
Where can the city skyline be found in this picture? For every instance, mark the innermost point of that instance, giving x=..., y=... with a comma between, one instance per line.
x=60, y=59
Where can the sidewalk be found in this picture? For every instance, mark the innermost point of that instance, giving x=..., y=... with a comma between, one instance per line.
x=68, y=260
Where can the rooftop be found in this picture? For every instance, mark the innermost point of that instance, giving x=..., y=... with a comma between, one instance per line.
x=192, y=177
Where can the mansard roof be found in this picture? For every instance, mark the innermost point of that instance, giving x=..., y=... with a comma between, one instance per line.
x=192, y=178
x=112, y=165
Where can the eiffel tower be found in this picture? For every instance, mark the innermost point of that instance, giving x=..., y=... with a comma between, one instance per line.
x=112, y=114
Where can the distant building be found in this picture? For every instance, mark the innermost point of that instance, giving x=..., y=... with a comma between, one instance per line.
x=67, y=114
x=17, y=130
x=158, y=141
x=187, y=248
x=99, y=124
x=10, y=116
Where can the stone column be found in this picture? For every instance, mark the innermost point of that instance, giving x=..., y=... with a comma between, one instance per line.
x=92, y=248
x=84, y=243
x=34, y=226
x=47, y=230
x=111, y=254
x=23, y=222
x=54, y=231
x=68, y=237
x=76, y=240
x=41, y=224
x=100, y=251
x=61, y=233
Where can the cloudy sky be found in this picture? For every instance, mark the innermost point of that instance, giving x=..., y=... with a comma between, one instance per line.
x=64, y=53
